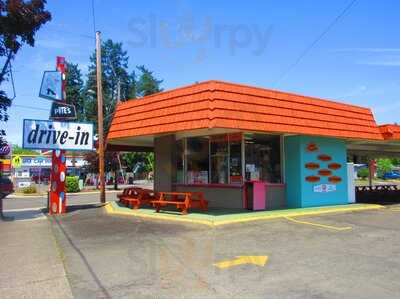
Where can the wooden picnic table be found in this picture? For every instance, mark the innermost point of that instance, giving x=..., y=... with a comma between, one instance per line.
x=182, y=200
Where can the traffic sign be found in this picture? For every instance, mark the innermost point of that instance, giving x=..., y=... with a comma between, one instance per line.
x=16, y=162
x=62, y=110
x=51, y=87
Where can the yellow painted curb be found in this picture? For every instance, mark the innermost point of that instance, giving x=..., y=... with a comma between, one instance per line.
x=110, y=210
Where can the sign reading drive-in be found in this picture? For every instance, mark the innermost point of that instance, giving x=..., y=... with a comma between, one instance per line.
x=47, y=134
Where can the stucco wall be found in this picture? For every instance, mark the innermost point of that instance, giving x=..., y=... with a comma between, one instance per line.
x=301, y=191
x=229, y=198
x=275, y=197
x=164, y=171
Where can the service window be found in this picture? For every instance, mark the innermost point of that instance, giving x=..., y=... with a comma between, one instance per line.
x=179, y=146
x=235, y=158
x=263, y=158
x=197, y=157
x=219, y=155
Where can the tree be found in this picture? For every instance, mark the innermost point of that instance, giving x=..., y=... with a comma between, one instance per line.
x=19, y=22
x=74, y=90
x=147, y=83
x=384, y=166
x=17, y=150
x=114, y=64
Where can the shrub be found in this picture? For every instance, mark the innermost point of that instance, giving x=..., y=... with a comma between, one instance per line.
x=29, y=190
x=72, y=184
x=363, y=173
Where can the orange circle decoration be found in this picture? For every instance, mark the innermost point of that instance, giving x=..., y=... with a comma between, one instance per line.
x=312, y=165
x=313, y=179
x=325, y=172
x=312, y=147
x=334, y=179
x=324, y=157
x=334, y=166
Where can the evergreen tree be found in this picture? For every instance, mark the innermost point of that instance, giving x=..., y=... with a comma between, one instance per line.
x=147, y=83
x=114, y=64
x=74, y=90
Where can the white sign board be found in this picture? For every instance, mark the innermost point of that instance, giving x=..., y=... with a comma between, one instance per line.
x=51, y=87
x=23, y=184
x=323, y=188
x=53, y=135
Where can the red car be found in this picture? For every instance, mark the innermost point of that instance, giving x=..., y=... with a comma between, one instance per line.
x=6, y=186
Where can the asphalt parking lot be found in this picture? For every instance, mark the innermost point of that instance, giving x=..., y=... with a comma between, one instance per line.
x=351, y=255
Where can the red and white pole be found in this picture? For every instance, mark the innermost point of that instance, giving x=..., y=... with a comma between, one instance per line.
x=58, y=194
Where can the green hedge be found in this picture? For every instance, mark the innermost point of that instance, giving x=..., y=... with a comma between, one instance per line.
x=29, y=190
x=363, y=173
x=72, y=184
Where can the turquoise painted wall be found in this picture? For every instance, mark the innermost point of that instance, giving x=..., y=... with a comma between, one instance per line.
x=299, y=191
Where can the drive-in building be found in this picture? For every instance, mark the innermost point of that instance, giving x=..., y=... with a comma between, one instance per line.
x=228, y=140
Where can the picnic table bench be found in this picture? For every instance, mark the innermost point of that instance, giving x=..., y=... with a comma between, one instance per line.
x=140, y=197
x=182, y=200
x=125, y=193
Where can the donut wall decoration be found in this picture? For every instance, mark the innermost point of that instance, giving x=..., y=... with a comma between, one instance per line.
x=312, y=165
x=313, y=178
x=322, y=166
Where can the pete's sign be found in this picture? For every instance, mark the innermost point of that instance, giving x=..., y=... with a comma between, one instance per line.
x=45, y=134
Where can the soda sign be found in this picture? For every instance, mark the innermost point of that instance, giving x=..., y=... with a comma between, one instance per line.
x=47, y=134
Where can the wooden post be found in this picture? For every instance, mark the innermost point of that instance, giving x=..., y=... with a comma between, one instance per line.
x=370, y=171
x=100, y=118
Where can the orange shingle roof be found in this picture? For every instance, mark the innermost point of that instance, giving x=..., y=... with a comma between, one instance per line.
x=216, y=104
x=390, y=132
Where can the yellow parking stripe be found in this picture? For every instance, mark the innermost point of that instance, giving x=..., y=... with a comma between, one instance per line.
x=319, y=225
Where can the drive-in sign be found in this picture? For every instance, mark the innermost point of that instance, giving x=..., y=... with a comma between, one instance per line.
x=45, y=134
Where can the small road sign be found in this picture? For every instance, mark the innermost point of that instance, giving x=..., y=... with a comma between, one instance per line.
x=61, y=110
x=51, y=87
x=16, y=162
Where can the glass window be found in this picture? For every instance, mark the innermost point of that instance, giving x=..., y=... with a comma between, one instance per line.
x=263, y=158
x=219, y=159
x=179, y=161
x=235, y=158
x=197, y=160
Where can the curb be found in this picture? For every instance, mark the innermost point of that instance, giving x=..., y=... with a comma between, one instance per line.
x=74, y=193
x=110, y=210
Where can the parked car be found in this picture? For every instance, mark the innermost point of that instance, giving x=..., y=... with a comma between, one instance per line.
x=6, y=186
x=392, y=175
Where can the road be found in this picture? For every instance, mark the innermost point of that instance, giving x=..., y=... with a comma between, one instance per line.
x=35, y=202
x=88, y=253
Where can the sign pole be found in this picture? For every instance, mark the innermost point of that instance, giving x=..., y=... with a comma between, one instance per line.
x=100, y=118
x=58, y=197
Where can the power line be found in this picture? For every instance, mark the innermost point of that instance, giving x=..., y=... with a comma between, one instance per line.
x=319, y=37
x=29, y=107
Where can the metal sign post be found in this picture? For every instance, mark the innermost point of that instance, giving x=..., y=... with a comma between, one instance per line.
x=58, y=195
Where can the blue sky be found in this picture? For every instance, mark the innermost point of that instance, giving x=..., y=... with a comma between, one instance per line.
x=251, y=42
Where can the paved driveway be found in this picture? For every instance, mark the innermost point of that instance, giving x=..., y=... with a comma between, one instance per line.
x=121, y=257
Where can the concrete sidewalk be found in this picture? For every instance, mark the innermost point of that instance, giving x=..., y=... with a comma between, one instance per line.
x=31, y=263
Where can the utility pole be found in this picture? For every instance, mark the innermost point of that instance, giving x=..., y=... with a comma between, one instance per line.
x=100, y=118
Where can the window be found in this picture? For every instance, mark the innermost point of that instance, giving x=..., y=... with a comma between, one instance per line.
x=263, y=158
x=219, y=159
x=235, y=158
x=197, y=160
x=179, y=146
